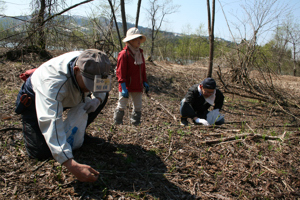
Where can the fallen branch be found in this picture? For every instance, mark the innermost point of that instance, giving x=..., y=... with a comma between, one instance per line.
x=250, y=128
x=9, y=129
x=157, y=102
x=235, y=122
x=266, y=137
x=234, y=141
x=170, y=149
x=286, y=111
x=282, y=136
x=40, y=165
x=236, y=137
x=227, y=138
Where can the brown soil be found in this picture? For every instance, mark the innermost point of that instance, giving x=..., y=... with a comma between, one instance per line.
x=255, y=155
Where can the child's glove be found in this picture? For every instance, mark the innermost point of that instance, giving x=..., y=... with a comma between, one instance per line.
x=202, y=121
x=146, y=87
x=124, y=90
x=91, y=105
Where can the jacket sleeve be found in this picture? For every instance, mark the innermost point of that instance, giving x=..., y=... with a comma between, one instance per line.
x=190, y=96
x=189, y=99
x=101, y=95
x=49, y=108
x=122, y=67
x=219, y=100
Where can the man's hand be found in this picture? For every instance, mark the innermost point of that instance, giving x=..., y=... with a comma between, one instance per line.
x=92, y=105
x=202, y=121
x=83, y=173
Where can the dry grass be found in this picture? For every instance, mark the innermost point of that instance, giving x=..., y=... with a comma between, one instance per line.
x=160, y=159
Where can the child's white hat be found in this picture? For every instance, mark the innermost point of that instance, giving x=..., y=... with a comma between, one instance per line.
x=133, y=33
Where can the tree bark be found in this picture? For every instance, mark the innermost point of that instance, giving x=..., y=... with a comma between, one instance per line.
x=294, y=58
x=114, y=16
x=138, y=14
x=123, y=13
x=41, y=26
x=211, y=24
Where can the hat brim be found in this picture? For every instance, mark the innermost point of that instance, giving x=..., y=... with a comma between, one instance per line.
x=132, y=37
x=89, y=83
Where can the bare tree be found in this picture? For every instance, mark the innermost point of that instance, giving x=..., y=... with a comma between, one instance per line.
x=33, y=37
x=43, y=14
x=293, y=30
x=211, y=25
x=43, y=9
x=281, y=44
x=2, y=6
x=157, y=13
x=116, y=23
x=138, y=13
x=258, y=17
x=123, y=13
x=41, y=22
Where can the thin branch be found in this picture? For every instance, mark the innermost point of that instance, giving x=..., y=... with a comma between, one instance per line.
x=67, y=9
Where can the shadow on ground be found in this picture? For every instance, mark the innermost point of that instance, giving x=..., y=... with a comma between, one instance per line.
x=131, y=171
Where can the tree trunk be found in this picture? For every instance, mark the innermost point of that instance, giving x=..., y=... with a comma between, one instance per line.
x=294, y=58
x=114, y=16
x=152, y=38
x=138, y=14
x=211, y=24
x=41, y=26
x=124, y=23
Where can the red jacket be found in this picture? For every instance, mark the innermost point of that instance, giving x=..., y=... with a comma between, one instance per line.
x=133, y=75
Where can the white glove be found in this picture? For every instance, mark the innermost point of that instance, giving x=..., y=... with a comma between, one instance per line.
x=91, y=105
x=202, y=121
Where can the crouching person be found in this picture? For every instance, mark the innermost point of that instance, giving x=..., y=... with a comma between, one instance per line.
x=61, y=83
x=197, y=101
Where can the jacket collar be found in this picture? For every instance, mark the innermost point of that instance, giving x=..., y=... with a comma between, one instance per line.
x=71, y=65
x=210, y=99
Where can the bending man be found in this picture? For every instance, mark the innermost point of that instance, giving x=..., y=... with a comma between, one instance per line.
x=60, y=83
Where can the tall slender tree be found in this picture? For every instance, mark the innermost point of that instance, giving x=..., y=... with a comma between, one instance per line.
x=211, y=25
x=294, y=38
x=138, y=13
x=123, y=13
x=41, y=24
x=116, y=23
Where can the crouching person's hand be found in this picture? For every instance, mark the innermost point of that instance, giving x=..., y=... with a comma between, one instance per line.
x=202, y=121
x=83, y=173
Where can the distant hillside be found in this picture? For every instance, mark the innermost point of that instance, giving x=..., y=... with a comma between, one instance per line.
x=6, y=22
x=80, y=21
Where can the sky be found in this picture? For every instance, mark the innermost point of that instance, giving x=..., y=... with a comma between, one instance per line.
x=190, y=15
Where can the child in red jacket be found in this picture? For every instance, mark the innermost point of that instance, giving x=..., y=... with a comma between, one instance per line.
x=131, y=74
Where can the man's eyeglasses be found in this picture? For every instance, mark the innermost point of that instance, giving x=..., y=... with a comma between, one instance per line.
x=208, y=91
